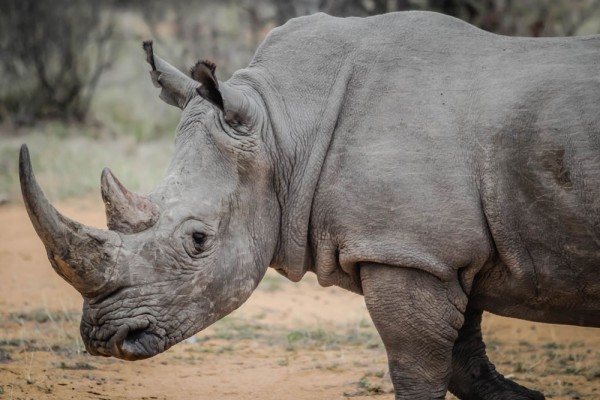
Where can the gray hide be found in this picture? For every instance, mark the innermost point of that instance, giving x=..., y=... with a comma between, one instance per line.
x=433, y=167
x=424, y=142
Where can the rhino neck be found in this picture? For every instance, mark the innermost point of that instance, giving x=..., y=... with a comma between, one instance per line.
x=303, y=112
x=304, y=146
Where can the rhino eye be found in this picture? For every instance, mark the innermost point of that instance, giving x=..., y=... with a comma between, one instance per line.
x=199, y=239
x=196, y=238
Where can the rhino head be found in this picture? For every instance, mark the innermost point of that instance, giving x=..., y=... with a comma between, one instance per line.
x=193, y=250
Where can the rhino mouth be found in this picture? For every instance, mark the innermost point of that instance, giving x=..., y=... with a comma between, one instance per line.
x=129, y=343
x=140, y=344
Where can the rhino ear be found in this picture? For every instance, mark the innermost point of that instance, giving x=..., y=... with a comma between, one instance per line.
x=177, y=88
x=204, y=73
x=236, y=107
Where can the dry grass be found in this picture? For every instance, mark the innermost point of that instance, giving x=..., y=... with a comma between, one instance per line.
x=70, y=168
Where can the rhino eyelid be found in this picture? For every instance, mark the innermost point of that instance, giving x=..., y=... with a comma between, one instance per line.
x=206, y=228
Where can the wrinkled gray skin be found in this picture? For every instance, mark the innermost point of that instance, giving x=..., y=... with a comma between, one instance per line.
x=435, y=168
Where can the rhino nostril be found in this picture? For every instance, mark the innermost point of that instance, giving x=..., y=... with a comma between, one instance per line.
x=135, y=335
x=140, y=344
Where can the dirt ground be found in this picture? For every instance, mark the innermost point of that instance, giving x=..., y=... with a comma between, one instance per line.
x=289, y=341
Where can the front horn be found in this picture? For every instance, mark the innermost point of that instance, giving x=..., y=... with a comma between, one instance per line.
x=84, y=256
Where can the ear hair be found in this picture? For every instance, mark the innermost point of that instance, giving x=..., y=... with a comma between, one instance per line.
x=204, y=72
x=147, y=45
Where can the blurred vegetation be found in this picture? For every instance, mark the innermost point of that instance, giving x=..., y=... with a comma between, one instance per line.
x=73, y=70
x=53, y=54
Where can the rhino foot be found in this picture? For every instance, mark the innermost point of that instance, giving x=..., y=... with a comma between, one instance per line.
x=473, y=375
x=500, y=388
x=489, y=385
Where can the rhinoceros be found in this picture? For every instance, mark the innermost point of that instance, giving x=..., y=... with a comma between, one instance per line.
x=436, y=169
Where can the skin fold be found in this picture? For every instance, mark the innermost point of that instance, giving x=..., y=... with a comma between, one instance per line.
x=436, y=169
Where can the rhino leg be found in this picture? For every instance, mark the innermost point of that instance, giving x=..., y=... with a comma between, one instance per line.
x=418, y=317
x=473, y=375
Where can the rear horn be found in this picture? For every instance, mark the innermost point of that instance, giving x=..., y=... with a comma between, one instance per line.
x=126, y=211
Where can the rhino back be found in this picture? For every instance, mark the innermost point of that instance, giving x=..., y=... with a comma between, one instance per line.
x=482, y=138
x=399, y=183
x=379, y=93
x=437, y=131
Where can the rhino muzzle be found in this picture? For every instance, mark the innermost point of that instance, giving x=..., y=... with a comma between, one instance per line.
x=84, y=256
x=132, y=341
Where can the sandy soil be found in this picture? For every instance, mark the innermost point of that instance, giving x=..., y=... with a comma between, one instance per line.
x=289, y=341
